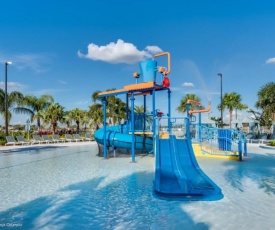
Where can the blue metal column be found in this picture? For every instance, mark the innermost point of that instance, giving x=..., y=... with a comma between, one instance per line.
x=188, y=121
x=153, y=112
x=154, y=121
x=127, y=113
x=200, y=139
x=133, y=125
x=169, y=110
x=144, y=111
x=104, y=127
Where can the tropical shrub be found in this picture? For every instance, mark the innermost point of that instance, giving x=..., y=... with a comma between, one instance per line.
x=272, y=143
x=2, y=139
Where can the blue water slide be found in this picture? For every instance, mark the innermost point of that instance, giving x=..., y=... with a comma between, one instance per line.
x=178, y=175
x=117, y=138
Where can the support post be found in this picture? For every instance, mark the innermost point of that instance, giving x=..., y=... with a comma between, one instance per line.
x=154, y=121
x=144, y=112
x=199, y=131
x=127, y=113
x=169, y=110
x=104, y=127
x=133, y=125
x=188, y=121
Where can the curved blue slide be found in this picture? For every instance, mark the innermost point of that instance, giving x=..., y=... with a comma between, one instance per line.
x=117, y=139
x=178, y=174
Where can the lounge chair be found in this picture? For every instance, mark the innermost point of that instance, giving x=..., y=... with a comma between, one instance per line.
x=22, y=140
x=69, y=137
x=57, y=139
x=11, y=141
x=77, y=137
x=47, y=139
x=88, y=137
x=37, y=139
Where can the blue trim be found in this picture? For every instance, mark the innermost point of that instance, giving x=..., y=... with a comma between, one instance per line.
x=133, y=125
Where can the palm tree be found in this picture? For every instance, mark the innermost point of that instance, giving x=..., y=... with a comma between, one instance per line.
x=35, y=107
x=76, y=115
x=182, y=107
x=67, y=119
x=85, y=119
x=54, y=114
x=238, y=104
x=257, y=116
x=14, y=99
x=240, y=107
x=139, y=109
x=232, y=101
x=96, y=113
x=266, y=102
x=115, y=109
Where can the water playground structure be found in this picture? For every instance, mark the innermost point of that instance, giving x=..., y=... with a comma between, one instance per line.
x=177, y=173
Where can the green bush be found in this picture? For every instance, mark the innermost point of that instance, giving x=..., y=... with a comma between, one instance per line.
x=2, y=136
x=2, y=139
x=20, y=133
x=272, y=143
x=2, y=142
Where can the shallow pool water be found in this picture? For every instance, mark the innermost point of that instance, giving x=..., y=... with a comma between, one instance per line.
x=58, y=187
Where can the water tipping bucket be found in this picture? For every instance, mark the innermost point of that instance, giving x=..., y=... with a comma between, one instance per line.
x=148, y=70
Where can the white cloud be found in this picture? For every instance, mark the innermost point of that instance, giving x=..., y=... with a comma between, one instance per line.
x=12, y=86
x=270, y=61
x=119, y=52
x=153, y=49
x=188, y=84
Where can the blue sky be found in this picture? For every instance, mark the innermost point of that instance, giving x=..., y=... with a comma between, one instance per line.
x=48, y=41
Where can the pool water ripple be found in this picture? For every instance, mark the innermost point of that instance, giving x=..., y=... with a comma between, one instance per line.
x=72, y=188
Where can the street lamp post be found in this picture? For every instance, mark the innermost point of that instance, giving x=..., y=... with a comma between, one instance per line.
x=6, y=98
x=219, y=74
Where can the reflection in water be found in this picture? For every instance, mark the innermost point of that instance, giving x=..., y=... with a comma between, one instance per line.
x=72, y=188
x=259, y=168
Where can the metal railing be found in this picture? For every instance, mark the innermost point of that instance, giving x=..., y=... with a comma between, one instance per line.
x=212, y=140
x=219, y=141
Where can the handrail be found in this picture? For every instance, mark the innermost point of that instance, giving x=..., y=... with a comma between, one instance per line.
x=168, y=60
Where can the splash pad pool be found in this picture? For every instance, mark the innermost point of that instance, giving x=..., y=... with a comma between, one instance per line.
x=61, y=187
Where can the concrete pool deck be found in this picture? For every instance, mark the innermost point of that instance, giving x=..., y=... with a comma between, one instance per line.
x=83, y=143
x=78, y=143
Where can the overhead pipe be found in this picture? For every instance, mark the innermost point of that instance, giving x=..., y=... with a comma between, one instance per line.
x=168, y=60
x=199, y=104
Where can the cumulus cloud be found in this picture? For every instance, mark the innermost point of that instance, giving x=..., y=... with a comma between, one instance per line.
x=119, y=52
x=270, y=61
x=188, y=84
x=153, y=49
